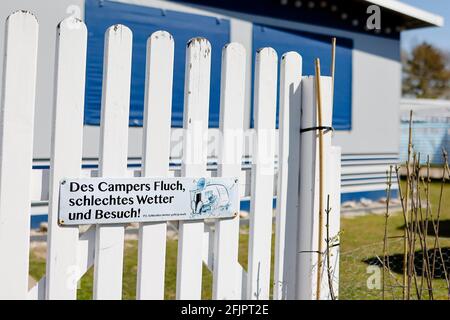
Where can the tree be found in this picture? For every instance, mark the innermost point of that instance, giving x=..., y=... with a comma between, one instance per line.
x=426, y=72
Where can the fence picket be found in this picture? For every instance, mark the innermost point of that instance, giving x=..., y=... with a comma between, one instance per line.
x=226, y=241
x=157, y=124
x=16, y=145
x=262, y=175
x=288, y=176
x=196, y=110
x=67, y=132
x=108, y=265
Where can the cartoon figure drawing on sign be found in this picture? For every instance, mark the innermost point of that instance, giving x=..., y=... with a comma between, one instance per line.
x=209, y=198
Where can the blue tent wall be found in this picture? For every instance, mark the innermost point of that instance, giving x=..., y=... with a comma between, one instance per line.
x=311, y=46
x=143, y=21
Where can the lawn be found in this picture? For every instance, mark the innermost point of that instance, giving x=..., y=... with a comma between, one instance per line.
x=361, y=242
x=37, y=269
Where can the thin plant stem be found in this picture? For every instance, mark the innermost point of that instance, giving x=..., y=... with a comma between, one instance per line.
x=328, y=243
x=385, y=242
x=405, y=207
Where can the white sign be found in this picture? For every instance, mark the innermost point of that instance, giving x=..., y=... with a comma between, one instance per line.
x=125, y=200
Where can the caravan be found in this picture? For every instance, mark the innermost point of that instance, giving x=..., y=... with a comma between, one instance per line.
x=209, y=198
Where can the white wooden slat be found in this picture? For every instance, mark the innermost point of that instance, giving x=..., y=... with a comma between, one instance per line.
x=196, y=110
x=265, y=100
x=108, y=266
x=86, y=250
x=156, y=154
x=16, y=147
x=66, y=153
x=333, y=187
x=288, y=176
x=308, y=216
x=226, y=241
x=208, y=247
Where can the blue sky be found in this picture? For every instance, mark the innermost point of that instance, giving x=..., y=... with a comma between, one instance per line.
x=437, y=36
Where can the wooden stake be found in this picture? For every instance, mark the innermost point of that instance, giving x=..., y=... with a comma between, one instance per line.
x=320, y=132
x=333, y=68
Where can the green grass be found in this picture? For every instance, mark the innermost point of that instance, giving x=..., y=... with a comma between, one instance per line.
x=37, y=270
x=361, y=239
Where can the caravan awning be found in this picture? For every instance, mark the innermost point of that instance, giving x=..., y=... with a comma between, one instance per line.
x=351, y=15
x=410, y=17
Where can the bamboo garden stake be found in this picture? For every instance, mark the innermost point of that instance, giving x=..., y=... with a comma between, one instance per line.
x=319, y=119
x=333, y=69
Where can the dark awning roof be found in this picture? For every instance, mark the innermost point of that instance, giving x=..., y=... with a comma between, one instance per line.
x=349, y=15
x=410, y=17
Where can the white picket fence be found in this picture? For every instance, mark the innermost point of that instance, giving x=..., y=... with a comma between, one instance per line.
x=71, y=254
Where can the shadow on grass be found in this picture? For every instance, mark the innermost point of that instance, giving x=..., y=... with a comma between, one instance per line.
x=443, y=230
x=434, y=258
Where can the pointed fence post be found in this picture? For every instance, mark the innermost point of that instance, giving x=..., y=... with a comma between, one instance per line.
x=262, y=186
x=288, y=177
x=67, y=140
x=113, y=159
x=195, y=125
x=157, y=127
x=226, y=242
x=16, y=151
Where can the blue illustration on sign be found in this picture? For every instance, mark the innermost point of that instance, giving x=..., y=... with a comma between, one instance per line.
x=209, y=198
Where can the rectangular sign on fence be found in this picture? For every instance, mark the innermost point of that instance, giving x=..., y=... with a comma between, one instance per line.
x=125, y=200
